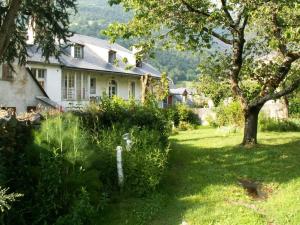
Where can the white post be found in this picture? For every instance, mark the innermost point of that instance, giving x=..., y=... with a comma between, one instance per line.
x=120, y=166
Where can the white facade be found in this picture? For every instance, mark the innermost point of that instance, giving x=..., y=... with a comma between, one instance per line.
x=80, y=90
x=84, y=73
x=20, y=91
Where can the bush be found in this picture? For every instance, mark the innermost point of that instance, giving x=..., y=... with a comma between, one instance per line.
x=69, y=163
x=294, y=107
x=149, y=130
x=270, y=124
x=117, y=113
x=229, y=115
x=6, y=199
x=181, y=113
x=81, y=213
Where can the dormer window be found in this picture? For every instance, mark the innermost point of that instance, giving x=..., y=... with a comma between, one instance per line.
x=112, y=56
x=78, y=51
x=139, y=63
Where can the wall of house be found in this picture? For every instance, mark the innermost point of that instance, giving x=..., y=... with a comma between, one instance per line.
x=123, y=83
x=102, y=87
x=53, y=80
x=20, y=92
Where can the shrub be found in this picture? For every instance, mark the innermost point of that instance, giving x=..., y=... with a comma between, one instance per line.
x=270, y=124
x=149, y=130
x=81, y=213
x=230, y=114
x=181, y=113
x=120, y=114
x=145, y=163
x=70, y=162
x=6, y=199
x=61, y=150
x=294, y=107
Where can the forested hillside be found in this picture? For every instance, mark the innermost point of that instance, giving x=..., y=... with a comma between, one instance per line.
x=95, y=15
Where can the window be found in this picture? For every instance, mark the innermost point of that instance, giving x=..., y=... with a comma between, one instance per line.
x=74, y=86
x=132, y=89
x=31, y=109
x=6, y=72
x=112, y=91
x=78, y=51
x=139, y=63
x=112, y=56
x=40, y=75
x=93, y=85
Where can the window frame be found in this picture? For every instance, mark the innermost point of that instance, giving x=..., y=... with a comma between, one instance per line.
x=139, y=63
x=132, y=89
x=42, y=80
x=112, y=56
x=78, y=51
x=113, y=84
x=81, y=94
x=6, y=73
x=94, y=92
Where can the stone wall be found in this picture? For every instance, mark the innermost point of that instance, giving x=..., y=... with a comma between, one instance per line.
x=273, y=109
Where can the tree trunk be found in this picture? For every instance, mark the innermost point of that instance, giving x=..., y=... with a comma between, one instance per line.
x=286, y=107
x=251, y=124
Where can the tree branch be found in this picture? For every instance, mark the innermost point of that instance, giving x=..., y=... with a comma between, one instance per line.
x=228, y=15
x=8, y=25
x=278, y=34
x=277, y=95
x=218, y=36
x=274, y=81
x=193, y=9
x=237, y=62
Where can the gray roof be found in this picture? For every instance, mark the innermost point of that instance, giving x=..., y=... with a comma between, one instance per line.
x=93, y=60
x=177, y=91
x=48, y=101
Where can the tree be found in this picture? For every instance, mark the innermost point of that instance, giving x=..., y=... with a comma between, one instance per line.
x=51, y=23
x=213, y=82
x=252, y=31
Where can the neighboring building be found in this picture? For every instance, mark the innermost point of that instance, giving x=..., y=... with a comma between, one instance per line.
x=188, y=96
x=176, y=95
x=89, y=69
x=21, y=93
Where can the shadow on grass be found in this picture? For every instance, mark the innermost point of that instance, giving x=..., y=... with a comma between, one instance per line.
x=193, y=169
x=195, y=173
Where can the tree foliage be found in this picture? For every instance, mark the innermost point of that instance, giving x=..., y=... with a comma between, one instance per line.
x=51, y=22
x=262, y=38
x=213, y=81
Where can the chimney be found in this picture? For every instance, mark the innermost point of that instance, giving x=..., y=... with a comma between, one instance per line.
x=136, y=51
x=31, y=31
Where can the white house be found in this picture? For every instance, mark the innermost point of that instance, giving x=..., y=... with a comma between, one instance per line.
x=21, y=93
x=89, y=69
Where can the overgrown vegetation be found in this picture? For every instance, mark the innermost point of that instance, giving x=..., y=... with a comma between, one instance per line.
x=182, y=116
x=294, y=106
x=227, y=114
x=280, y=125
x=66, y=169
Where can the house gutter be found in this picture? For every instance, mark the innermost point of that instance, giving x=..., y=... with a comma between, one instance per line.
x=122, y=74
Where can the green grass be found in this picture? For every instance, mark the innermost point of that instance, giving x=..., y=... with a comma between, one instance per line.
x=200, y=185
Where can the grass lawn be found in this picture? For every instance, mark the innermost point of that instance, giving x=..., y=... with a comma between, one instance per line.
x=201, y=184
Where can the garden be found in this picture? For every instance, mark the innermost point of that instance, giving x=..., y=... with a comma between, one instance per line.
x=63, y=169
